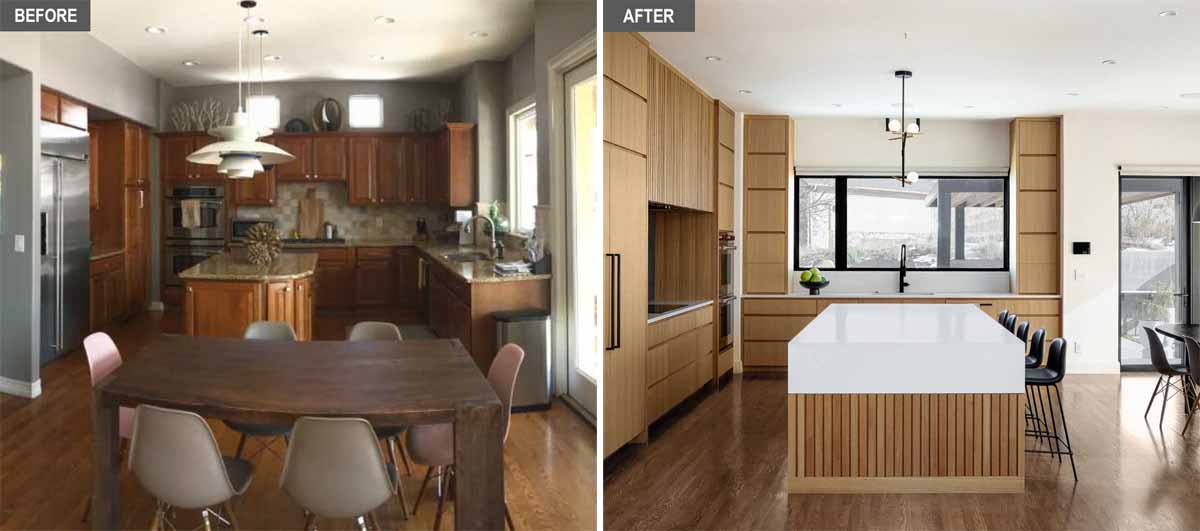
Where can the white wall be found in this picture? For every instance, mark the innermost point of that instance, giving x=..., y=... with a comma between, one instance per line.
x=842, y=145
x=1093, y=145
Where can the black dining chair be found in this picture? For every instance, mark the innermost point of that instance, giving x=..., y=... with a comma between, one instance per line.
x=1023, y=333
x=1003, y=317
x=1158, y=358
x=1047, y=378
x=1193, y=357
x=1011, y=323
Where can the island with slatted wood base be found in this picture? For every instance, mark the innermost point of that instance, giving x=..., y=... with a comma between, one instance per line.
x=900, y=398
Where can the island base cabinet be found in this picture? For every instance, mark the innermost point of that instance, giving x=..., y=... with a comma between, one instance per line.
x=225, y=308
x=906, y=443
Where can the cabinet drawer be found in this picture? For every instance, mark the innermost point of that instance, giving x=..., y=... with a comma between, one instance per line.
x=704, y=339
x=1032, y=306
x=682, y=351
x=703, y=372
x=679, y=385
x=656, y=401
x=779, y=307
x=657, y=363
x=764, y=353
x=325, y=255
x=724, y=362
x=107, y=265
x=773, y=327
x=373, y=253
x=662, y=331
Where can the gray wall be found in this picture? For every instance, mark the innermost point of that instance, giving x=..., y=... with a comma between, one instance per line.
x=557, y=25
x=297, y=99
x=81, y=66
x=519, y=77
x=20, y=54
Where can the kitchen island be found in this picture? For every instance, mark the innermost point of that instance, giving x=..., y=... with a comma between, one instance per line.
x=905, y=398
x=225, y=293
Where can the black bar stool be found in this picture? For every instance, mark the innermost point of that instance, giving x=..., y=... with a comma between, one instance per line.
x=1023, y=333
x=1193, y=354
x=1011, y=323
x=1033, y=360
x=1003, y=317
x=1048, y=378
x=1158, y=357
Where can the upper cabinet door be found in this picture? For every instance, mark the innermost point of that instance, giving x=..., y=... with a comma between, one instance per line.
x=72, y=113
x=419, y=167
x=390, y=182
x=49, y=106
x=301, y=168
x=175, y=150
x=206, y=172
x=363, y=154
x=329, y=158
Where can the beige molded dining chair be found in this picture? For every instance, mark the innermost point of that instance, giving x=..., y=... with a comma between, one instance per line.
x=374, y=331
x=175, y=457
x=273, y=331
x=432, y=445
x=334, y=469
x=104, y=358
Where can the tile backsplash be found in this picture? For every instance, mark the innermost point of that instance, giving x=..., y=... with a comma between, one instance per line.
x=353, y=221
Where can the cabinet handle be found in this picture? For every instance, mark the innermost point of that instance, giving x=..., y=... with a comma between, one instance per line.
x=141, y=199
x=614, y=310
x=189, y=289
x=287, y=289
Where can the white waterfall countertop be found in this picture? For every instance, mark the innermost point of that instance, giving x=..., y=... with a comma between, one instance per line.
x=905, y=349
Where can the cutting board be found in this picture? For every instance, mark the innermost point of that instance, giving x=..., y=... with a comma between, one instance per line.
x=312, y=215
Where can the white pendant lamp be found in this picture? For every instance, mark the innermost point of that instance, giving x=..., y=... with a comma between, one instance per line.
x=239, y=154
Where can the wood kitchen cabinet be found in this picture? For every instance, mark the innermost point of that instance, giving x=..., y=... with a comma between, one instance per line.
x=363, y=176
x=174, y=150
x=679, y=359
x=375, y=276
x=137, y=248
x=335, y=279
x=108, y=303
x=453, y=170
x=63, y=110
x=681, y=147
x=256, y=191
x=300, y=147
x=319, y=157
x=390, y=178
x=120, y=186
x=223, y=308
x=305, y=306
x=408, y=278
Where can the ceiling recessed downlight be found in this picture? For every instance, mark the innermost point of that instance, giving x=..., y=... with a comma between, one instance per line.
x=968, y=106
x=1167, y=13
x=837, y=105
x=271, y=58
x=191, y=62
x=1072, y=93
x=376, y=57
x=478, y=34
x=385, y=20
x=1190, y=95
x=744, y=91
x=713, y=58
x=1108, y=62
x=156, y=30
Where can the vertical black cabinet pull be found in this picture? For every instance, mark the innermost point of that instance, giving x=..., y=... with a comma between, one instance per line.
x=617, y=320
x=613, y=332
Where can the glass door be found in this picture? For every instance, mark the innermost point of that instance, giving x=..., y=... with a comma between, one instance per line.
x=1153, y=264
x=584, y=235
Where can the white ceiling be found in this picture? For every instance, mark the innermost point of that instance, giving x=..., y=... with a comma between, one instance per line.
x=1006, y=58
x=317, y=39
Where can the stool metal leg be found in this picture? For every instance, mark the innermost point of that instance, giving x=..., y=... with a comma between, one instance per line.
x=1066, y=432
x=1054, y=424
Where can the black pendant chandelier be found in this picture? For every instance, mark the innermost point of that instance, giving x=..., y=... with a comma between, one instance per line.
x=904, y=130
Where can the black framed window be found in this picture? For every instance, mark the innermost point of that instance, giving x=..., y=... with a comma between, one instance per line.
x=859, y=223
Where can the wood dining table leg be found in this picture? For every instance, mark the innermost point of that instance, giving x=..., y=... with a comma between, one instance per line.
x=106, y=461
x=479, y=464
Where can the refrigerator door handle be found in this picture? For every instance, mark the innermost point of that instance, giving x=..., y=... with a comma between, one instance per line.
x=58, y=256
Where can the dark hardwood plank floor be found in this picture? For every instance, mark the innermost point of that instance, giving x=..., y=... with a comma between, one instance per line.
x=45, y=459
x=718, y=463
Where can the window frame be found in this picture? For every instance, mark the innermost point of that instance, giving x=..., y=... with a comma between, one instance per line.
x=840, y=248
x=278, y=109
x=516, y=112
x=350, y=113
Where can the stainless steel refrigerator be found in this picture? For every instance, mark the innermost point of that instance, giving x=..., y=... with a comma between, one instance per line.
x=65, y=238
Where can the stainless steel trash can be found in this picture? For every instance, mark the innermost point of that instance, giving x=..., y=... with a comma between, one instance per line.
x=531, y=330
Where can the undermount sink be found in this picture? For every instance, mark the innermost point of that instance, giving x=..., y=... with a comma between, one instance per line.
x=465, y=257
x=898, y=294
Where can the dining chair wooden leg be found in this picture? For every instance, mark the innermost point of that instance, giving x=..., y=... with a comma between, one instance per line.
x=241, y=446
x=1166, y=390
x=374, y=520
x=87, y=510
x=310, y=521
x=437, y=520
x=508, y=517
x=1152, y=395
x=420, y=493
x=156, y=523
x=404, y=456
x=232, y=517
x=391, y=442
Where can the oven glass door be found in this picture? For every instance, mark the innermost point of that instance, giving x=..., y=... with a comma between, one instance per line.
x=726, y=288
x=212, y=220
x=182, y=258
x=726, y=324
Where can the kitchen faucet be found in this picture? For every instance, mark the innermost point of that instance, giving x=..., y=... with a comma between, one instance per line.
x=471, y=224
x=903, y=267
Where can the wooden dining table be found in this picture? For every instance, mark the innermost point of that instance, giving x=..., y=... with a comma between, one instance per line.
x=388, y=383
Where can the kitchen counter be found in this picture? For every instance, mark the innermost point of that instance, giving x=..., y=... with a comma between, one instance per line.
x=690, y=306
x=234, y=266
x=479, y=271
x=917, y=295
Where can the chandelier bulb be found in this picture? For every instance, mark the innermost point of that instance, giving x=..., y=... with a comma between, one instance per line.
x=912, y=177
x=912, y=128
x=893, y=125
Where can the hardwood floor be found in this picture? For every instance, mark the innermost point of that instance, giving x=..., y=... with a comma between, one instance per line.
x=45, y=461
x=718, y=463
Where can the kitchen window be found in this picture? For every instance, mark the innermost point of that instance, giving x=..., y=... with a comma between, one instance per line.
x=366, y=111
x=522, y=167
x=263, y=111
x=859, y=223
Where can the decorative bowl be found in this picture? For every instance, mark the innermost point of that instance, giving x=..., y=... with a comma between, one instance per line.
x=814, y=288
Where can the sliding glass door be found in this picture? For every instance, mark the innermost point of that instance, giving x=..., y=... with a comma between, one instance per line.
x=1153, y=263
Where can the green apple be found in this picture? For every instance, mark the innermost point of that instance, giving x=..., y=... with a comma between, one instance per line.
x=805, y=276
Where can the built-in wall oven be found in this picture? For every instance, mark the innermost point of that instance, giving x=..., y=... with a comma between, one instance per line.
x=208, y=223
x=726, y=316
x=728, y=249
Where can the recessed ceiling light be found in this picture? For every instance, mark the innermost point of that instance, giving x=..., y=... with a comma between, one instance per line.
x=968, y=106
x=1163, y=107
x=156, y=30
x=478, y=34
x=1072, y=93
x=713, y=58
x=385, y=20
x=744, y=91
x=1190, y=95
x=1108, y=62
x=1167, y=13
x=271, y=58
x=838, y=105
x=254, y=19
x=191, y=62
x=376, y=57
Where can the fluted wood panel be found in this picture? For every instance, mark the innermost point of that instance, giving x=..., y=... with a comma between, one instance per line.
x=681, y=149
x=624, y=117
x=685, y=247
x=915, y=436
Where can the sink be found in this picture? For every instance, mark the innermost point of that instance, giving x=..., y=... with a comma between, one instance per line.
x=898, y=294
x=465, y=257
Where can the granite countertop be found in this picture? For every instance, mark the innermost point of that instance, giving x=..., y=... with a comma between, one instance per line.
x=472, y=272
x=234, y=266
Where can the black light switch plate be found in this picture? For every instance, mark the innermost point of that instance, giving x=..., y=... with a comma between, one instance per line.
x=1081, y=247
